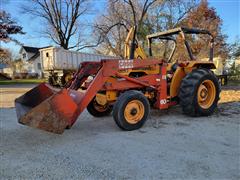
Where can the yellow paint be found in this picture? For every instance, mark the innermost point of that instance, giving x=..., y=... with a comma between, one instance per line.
x=101, y=99
x=139, y=52
x=111, y=95
x=181, y=72
x=176, y=81
x=206, y=94
x=68, y=77
x=169, y=66
x=149, y=95
x=134, y=111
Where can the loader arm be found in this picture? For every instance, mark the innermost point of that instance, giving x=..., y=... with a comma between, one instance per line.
x=58, y=109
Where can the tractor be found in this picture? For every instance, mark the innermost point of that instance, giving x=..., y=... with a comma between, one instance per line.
x=127, y=88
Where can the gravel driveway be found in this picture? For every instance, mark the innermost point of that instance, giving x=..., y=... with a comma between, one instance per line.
x=169, y=146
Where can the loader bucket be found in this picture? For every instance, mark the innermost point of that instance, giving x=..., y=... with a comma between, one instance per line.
x=48, y=109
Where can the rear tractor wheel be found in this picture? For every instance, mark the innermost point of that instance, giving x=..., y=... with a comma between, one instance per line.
x=199, y=93
x=131, y=110
x=98, y=110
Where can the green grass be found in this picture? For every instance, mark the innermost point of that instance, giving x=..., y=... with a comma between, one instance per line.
x=233, y=83
x=21, y=81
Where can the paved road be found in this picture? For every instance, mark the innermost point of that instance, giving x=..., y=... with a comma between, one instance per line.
x=8, y=93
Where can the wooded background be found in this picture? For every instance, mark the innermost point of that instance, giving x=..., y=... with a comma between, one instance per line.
x=64, y=25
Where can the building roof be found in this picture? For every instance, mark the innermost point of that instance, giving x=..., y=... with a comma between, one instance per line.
x=34, y=57
x=30, y=49
x=33, y=50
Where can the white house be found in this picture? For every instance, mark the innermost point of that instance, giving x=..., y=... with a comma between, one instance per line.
x=31, y=59
x=5, y=71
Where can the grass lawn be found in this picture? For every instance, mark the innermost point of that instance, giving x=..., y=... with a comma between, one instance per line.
x=21, y=81
x=233, y=83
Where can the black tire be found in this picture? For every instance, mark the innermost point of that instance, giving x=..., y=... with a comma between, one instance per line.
x=188, y=94
x=120, y=105
x=63, y=82
x=51, y=81
x=97, y=110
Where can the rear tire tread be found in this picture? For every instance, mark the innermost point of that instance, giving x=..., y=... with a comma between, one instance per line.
x=188, y=92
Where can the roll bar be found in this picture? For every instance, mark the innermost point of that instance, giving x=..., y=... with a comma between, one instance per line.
x=167, y=35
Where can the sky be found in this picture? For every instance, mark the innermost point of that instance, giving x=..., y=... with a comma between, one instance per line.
x=228, y=10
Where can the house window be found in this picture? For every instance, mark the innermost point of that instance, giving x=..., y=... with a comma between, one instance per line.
x=39, y=66
x=47, y=55
x=24, y=55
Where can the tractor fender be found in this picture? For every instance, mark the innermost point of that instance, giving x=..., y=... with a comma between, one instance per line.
x=181, y=72
x=202, y=64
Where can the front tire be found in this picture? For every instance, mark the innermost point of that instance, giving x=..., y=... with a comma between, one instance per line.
x=199, y=93
x=131, y=110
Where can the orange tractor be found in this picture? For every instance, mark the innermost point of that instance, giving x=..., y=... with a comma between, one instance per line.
x=127, y=88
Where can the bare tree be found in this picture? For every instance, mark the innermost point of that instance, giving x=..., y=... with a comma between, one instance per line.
x=8, y=27
x=234, y=49
x=168, y=15
x=148, y=16
x=5, y=56
x=63, y=21
x=121, y=16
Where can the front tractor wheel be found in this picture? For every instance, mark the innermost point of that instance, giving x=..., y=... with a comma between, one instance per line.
x=131, y=110
x=98, y=110
x=199, y=93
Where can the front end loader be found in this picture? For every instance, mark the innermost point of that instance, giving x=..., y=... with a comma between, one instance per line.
x=127, y=88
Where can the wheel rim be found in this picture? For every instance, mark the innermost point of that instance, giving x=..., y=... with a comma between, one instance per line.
x=206, y=94
x=134, y=111
x=100, y=108
x=67, y=78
